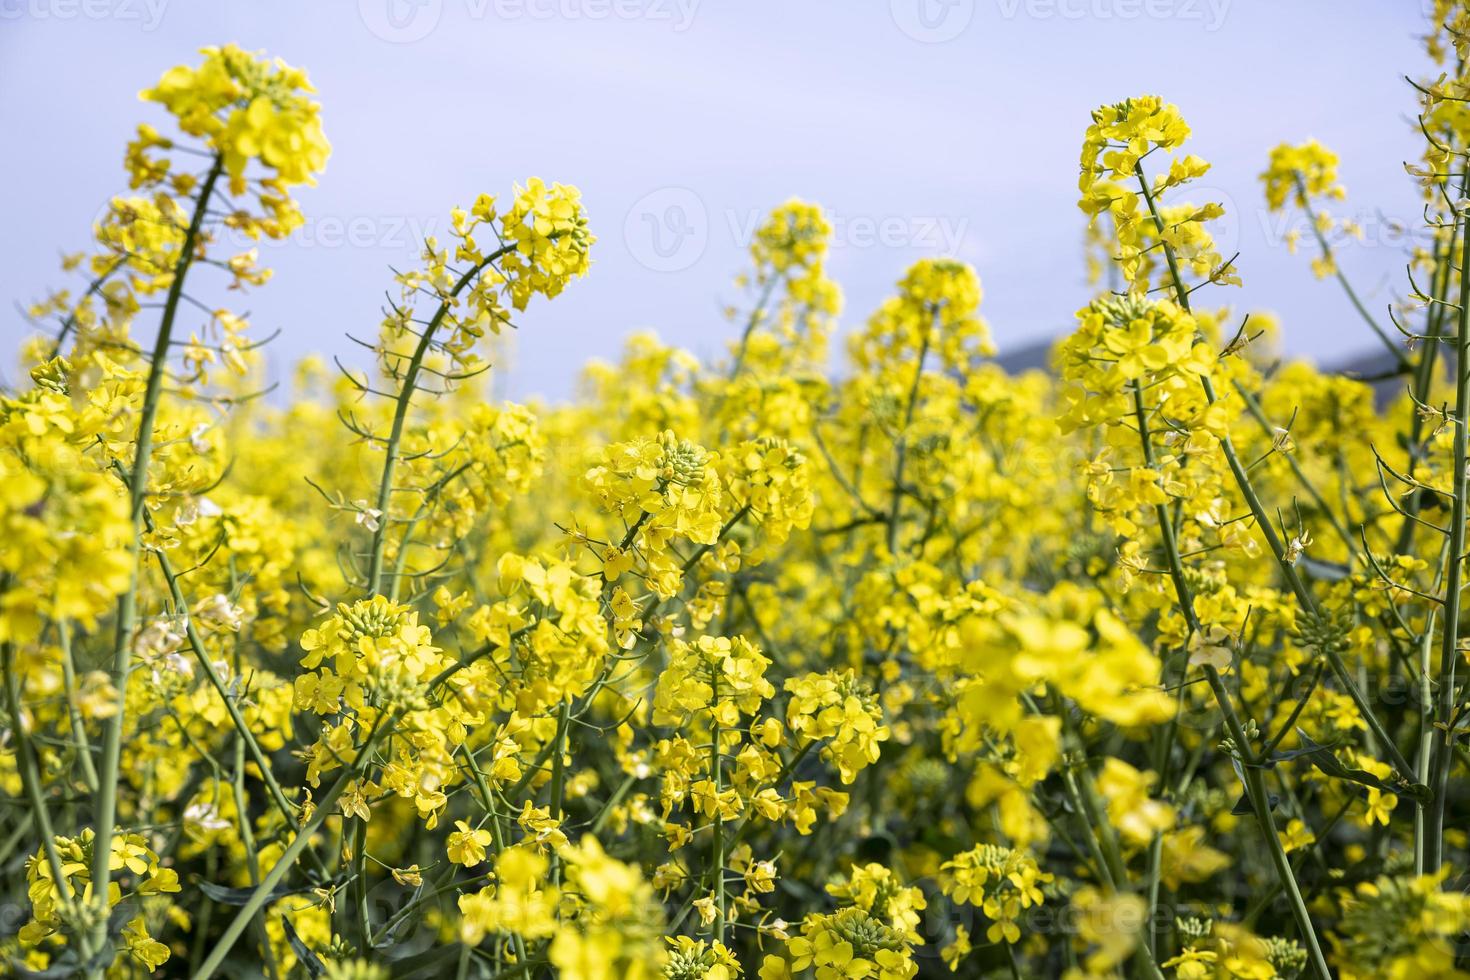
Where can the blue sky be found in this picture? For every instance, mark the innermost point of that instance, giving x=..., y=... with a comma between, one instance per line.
x=924, y=126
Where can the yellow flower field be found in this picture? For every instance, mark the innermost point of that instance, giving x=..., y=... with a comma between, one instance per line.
x=886, y=664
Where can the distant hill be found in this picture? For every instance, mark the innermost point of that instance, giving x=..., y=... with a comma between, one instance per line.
x=1374, y=367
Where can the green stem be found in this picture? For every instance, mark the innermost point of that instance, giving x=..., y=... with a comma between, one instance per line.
x=1424, y=368
x=745, y=826
x=30, y=778
x=559, y=775
x=717, y=852
x=242, y=727
x=487, y=798
x=901, y=450
x=750, y=324
x=400, y=416
x=73, y=709
x=127, y=606
x=1449, y=655
x=1254, y=784
x=1347, y=287
x=1303, y=595
x=1253, y=406
x=284, y=864
x=247, y=838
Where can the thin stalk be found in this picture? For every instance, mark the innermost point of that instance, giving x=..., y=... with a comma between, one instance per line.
x=127, y=606
x=750, y=324
x=247, y=838
x=717, y=852
x=903, y=442
x=30, y=778
x=400, y=416
x=92, y=290
x=1424, y=368
x=11, y=842
x=559, y=774
x=1449, y=652
x=1086, y=797
x=73, y=710
x=745, y=826
x=1426, y=734
x=242, y=727
x=1253, y=406
x=497, y=830
x=1254, y=783
x=285, y=863
x=358, y=889
x=1347, y=287
x=1303, y=595
x=385, y=520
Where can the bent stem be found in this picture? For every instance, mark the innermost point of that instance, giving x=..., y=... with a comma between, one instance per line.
x=73, y=708
x=1255, y=784
x=717, y=853
x=559, y=774
x=400, y=415
x=902, y=448
x=1304, y=597
x=127, y=606
x=1442, y=754
x=242, y=728
x=263, y=891
x=1393, y=349
x=30, y=778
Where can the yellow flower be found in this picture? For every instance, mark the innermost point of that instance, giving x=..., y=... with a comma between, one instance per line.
x=467, y=845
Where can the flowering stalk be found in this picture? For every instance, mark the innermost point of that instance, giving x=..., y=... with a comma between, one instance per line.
x=901, y=451
x=31, y=782
x=1273, y=541
x=400, y=416
x=1444, y=720
x=746, y=826
x=127, y=607
x=1393, y=349
x=247, y=839
x=262, y=892
x=751, y=323
x=78, y=729
x=1251, y=770
x=717, y=829
x=558, y=769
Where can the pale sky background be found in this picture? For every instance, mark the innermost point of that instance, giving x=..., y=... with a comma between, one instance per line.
x=925, y=127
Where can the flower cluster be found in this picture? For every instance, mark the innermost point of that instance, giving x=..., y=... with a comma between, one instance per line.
x=1113, y=184
x=247, y=109
x=1000, y=881
x=847, y=943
